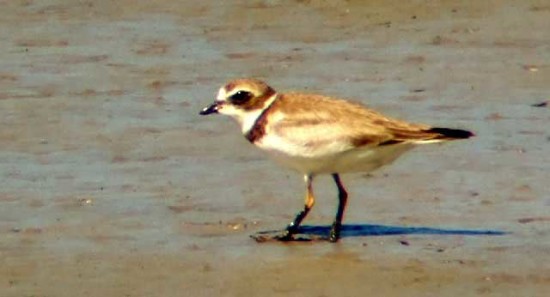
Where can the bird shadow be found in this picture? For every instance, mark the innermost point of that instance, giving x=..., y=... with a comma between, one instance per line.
x=312, y=233
x=383, y=230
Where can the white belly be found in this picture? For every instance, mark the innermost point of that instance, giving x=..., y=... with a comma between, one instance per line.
x=363, y=159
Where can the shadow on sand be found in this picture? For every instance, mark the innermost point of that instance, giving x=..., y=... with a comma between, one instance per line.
x=309, y=233
x=381, y=230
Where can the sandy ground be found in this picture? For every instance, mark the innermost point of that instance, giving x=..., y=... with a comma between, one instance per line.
x=113, y=185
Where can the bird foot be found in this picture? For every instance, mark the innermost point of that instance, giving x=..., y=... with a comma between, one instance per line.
x=334, y=235
x=281, y=236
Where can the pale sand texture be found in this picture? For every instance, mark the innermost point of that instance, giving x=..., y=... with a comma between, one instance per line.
x=113, y=185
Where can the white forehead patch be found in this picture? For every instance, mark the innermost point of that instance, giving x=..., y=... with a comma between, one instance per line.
x=222, y=95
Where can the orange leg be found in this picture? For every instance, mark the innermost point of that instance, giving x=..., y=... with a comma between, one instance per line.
x=292, y=228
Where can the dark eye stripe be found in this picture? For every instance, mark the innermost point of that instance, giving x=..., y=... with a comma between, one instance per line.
x=240, y=97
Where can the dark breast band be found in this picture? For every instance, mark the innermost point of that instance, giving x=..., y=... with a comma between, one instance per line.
x=257, y=131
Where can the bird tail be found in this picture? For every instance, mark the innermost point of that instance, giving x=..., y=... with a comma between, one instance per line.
x=429, y=135
x=450, y=134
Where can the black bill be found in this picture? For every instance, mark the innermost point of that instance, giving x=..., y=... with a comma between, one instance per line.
x=213, y=108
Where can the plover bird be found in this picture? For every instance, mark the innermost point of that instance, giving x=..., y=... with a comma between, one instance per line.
x=315, y=134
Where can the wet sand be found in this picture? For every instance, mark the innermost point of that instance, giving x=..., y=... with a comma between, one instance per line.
x=113, y=185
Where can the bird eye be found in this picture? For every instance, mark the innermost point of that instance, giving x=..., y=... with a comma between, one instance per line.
x=240, y=97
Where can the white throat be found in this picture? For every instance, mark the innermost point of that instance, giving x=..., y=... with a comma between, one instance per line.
x=248, y=118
